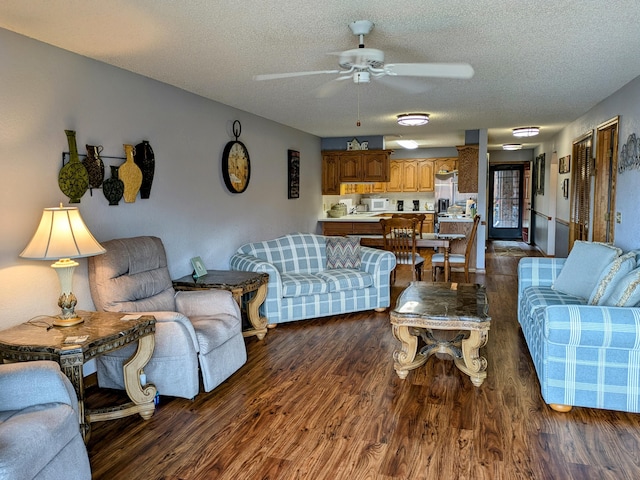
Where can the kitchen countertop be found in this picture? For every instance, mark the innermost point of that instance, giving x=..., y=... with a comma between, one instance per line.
x=369, y=216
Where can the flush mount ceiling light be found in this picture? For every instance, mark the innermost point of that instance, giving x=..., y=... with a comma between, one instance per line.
x=526, y=131
x=511, y=146
x=408, y=144
x=413, y=119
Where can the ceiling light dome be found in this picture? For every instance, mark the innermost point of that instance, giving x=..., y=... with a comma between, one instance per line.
x=413, y=119
x=512, y=146
x=526, y=131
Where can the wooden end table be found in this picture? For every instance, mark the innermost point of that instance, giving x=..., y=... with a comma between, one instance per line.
x=239, y=283
x=105, y=332
x=450, y=318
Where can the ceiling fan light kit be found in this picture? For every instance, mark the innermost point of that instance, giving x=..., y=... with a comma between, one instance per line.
x=512, y=146
x=413, y=119
x=526, y=131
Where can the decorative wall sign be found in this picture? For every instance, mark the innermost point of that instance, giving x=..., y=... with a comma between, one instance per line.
x=629, y=158
x=355, y=145
x=538, y=175
x=294, y=173
x=564, y=164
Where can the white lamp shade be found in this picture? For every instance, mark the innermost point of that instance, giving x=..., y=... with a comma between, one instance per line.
x=62, y=234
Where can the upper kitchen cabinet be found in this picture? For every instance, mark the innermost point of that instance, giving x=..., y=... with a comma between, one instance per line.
x=353, y=166
x=468, y=168
x=411, y=176
x=446, y=165
x=330, y=174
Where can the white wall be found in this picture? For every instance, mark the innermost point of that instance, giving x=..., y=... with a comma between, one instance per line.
x=45, y=90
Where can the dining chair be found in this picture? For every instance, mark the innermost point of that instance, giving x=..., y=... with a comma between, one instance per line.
x=456, y=259
x=399, y=237
x=418, y=216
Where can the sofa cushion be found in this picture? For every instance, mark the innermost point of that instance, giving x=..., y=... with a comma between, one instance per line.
x=626, y=292
x=343, y=252
x=583, y=267
x=302, y=284
x=610, y=276
x=535, y=298
x=346, y=279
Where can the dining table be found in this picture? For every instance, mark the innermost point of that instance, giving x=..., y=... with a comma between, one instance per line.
x=426, y=240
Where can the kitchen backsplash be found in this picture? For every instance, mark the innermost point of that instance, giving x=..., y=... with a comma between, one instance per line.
x=423, y=198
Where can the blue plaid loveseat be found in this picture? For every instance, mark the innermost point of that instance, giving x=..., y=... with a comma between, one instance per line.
x=300, y=284
x=584, y=355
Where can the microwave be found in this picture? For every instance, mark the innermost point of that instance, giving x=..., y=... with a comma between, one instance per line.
x=376, y=204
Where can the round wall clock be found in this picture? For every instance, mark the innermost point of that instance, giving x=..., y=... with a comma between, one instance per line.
x=236, y=166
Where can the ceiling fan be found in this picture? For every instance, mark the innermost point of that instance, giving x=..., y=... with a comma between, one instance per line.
x=362, y=64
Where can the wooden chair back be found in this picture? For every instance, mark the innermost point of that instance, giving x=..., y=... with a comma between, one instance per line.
x=418, y=216
x=399, y=237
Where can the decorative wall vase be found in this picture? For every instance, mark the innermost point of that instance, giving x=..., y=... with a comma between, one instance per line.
x=131, y=175
x=146, y=161
x=95, y=167
x=113, y=188
x=73, y=178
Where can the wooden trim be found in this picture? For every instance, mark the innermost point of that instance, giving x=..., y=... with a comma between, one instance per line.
x=543, y=215
x=562, y=222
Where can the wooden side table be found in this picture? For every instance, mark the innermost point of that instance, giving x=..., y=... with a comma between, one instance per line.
x=239, y=283
x=105, y=332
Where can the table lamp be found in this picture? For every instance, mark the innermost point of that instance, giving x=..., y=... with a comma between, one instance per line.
x=63, y=235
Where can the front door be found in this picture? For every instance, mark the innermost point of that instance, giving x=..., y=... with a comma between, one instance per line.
x=505, y=198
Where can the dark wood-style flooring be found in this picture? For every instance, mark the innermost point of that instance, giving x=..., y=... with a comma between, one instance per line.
x=320, y=399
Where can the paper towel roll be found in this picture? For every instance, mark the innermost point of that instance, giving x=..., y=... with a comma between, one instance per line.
x=470, y=203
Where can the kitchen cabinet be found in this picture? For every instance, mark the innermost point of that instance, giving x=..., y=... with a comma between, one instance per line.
x=429, y=223
x=330, y=174
x=353, y=166
x=343, y=228
x=446, y=165
x=411, y=176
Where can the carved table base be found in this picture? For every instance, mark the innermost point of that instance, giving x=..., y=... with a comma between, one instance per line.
x=449, y=319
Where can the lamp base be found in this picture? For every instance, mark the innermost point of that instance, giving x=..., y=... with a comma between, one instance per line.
x=67, y=322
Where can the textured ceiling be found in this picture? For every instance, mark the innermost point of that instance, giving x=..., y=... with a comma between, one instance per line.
x=543, y=63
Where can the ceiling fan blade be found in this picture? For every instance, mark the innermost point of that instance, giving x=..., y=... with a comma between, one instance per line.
x=275, y=76
x=331, y=87
x=441, y=70
x=404, y=84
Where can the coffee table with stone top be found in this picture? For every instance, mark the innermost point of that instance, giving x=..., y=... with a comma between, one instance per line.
x=450, y=318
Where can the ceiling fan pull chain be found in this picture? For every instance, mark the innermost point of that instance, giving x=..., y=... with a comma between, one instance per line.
x=358, y=94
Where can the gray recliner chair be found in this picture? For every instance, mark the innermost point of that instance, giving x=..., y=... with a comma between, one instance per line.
x=40, y=434
x=192, y=328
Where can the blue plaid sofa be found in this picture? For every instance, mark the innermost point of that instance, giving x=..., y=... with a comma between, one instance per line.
x=301, y=285
x=586, y=351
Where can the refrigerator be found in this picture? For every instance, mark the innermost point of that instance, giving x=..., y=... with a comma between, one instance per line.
x=446, y=186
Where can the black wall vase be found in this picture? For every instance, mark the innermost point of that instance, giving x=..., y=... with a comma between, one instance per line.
x=94, y=165
x=146, y=161
x=113, y=188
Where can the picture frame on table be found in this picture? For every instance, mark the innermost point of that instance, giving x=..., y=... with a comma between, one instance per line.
x=199, y=270
x=293, y=158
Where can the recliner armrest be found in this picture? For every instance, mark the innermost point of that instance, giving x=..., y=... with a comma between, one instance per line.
x=27, y=384
x=206, y=302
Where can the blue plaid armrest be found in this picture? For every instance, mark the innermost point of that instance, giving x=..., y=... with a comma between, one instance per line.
x=249, y=263
x=378, y=263
x=592, y=326
x=538, y=271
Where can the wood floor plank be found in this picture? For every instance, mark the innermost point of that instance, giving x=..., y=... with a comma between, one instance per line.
x=320, y=399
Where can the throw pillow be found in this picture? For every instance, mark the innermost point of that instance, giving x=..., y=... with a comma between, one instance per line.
x=343, y=252
x=626, y=292
x=583, y=266
x=610, y=276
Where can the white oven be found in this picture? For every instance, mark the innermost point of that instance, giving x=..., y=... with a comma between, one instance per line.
x=376, y=204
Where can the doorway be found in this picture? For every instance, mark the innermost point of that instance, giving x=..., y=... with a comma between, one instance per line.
x=605, y=181
x=505, y=199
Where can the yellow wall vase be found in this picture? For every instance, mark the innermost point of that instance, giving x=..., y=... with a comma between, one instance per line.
x=131, y=175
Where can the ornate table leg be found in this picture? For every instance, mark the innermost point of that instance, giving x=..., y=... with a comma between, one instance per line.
x=447, y=267
x=405, y=358
x=142, y=397
x=258, y=323
x=471, y=362
x=72, y=367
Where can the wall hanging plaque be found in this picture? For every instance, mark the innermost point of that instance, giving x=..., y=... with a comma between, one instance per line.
x=73, y=178
x=94, y=165
x=113, y=188
x=236, y=166
x=146, y=161
x=131, y=176
x=294, y=173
